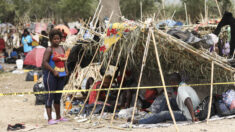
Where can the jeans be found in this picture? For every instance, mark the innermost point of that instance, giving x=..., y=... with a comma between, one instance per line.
x=160, y=104
x=162, y=117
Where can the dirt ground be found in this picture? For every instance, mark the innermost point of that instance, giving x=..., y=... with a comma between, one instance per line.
x=22, y=109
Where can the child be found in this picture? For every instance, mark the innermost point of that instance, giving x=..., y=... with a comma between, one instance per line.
x=54, y=74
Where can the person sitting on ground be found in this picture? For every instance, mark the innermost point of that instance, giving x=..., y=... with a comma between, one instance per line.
x=187, y=101
x=86, y=84
x=102, y=96
x=14, y=54
x=54, y=75
x=126, y=95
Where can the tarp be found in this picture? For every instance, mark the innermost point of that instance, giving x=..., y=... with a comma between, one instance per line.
x=40, y=27
x=35, y=57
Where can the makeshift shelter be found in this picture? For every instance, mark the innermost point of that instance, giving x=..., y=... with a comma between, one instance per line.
x=35, y=57
x=152, y=54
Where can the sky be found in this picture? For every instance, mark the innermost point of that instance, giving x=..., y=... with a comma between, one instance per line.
x=172, y=1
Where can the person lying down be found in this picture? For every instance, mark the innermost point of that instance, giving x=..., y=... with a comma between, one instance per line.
x=187, y=101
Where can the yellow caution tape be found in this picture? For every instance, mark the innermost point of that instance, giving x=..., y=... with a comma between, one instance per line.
x=112, y=89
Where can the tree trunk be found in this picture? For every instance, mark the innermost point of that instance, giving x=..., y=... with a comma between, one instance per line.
x=108, y=7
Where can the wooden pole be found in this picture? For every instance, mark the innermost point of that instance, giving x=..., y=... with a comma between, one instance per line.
x=72, y=77
x=163, y=81
x=141, y=11
x=89, y=92
x=186, y=13
x=119, y=90
x=205, y=19
x=86, y=71
x=98, y=93
x=98, y=17
x=96, y=12
x=141, y=72
x=218, y=8
x=163, y=7
x=211, y=91
x=107, y=95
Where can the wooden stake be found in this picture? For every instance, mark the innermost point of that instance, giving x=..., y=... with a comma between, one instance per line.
x=211, y=91
x=86, y=71
x=98, y=17
x=141, y=11
x=218, y=8
x=119, y=90
x=205, y=11
x=89, y=92
x=163, y=81
x=98, y=93
x=96, y=12
x=107, y=95
x=163, y=7
x=76, y=69
x=186, y=13
x=141, y=72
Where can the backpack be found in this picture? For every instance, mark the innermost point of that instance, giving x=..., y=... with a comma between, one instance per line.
x=201, y=111
x=40, y=98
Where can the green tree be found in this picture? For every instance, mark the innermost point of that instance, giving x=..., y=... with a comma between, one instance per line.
x=131, y=8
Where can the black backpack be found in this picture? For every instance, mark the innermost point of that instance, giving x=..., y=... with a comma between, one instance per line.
x=40, y=98
x=201, y=111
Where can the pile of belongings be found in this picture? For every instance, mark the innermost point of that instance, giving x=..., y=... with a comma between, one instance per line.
x=222, y=105
x=194, y=39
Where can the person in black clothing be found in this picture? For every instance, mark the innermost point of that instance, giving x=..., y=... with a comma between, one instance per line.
x=227, y=19
x=44, y=40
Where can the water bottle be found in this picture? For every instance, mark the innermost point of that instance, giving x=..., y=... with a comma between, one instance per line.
x=68, y=104
x=35, y=76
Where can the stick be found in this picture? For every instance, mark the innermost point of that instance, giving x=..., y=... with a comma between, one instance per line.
x=186, y=13
x=89, y=92
x=76, y=69
x=173, y=15
x=98, y=17
x=142, y=68
x=141, y=11
x=218, y=8
x=86, y=71
x=163, y=81
x=106, y=99
x=119, y=90
x=97, y=96
x=96, y=12
x=205, y=11
x=163, y=7
x=211, y=92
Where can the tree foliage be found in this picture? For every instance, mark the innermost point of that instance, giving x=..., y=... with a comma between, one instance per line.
x=69, y=10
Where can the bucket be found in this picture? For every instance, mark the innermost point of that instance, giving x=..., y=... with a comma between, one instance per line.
x=19, y=64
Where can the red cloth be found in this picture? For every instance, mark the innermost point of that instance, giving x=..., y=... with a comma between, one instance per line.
x=58, y=62
x=93, y=94
x=2, y=44
x=150, y=95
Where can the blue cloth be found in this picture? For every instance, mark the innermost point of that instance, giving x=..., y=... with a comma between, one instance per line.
x=26, y=41
x=169, y=23
x=162, y=117
x=14, y=54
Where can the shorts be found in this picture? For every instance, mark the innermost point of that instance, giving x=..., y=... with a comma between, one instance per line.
x=53, y=83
